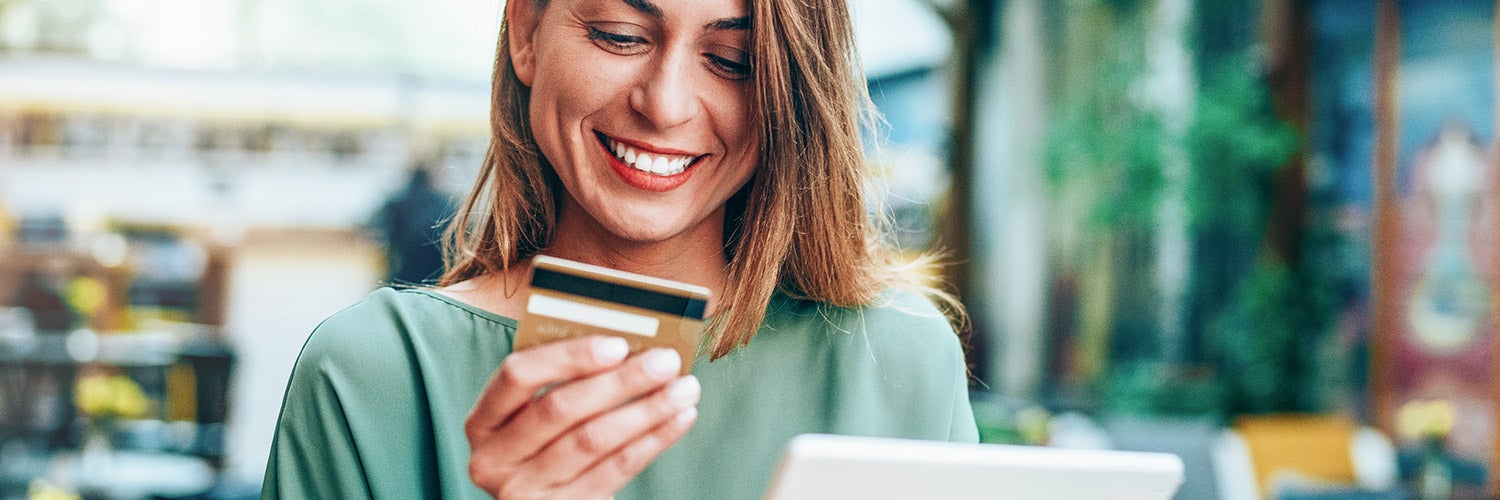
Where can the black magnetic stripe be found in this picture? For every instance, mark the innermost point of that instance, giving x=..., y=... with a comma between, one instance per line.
x=615, y=292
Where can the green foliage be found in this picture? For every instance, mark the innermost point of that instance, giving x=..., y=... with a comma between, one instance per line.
x=1264, y=321
x=1127, y=7
x=1261, y=321
x=1269, y=342
x=1103, y=144
x=1235, y=144
x=1160, y=388
x=1253, y=337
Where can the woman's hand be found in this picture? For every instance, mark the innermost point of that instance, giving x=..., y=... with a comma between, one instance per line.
x=603, y=420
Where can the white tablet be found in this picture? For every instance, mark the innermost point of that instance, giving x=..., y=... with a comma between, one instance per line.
x=817, y=466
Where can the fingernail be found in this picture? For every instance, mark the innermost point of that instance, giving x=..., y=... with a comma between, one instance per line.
x=684, y=392
x=662, y=363
x=686, y=417
x=610, y=350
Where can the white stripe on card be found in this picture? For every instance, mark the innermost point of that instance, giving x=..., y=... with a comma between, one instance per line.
x=592, y=315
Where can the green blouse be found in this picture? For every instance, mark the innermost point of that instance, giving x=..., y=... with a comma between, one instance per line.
x=376, y=403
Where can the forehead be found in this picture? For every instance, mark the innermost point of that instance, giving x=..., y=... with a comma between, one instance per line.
x=670, y=9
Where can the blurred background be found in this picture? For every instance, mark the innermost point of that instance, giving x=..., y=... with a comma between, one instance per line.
x=1258, y=234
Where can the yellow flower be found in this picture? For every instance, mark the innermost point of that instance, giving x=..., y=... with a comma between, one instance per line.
x=87, y=295
x=92, y=396
x=1034, y=424
x=1421, y=419
x=40, y=489
x=129, y=400
x=114, y=396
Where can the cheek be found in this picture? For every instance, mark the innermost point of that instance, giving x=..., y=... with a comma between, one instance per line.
x=742, y=132
x=544, y=129
x=747, y=169
x=576, y=82
x=734, y=117
x=564, y=95
x=745, y=161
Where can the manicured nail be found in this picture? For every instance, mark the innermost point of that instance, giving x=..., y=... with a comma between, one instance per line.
x=686, y=417
x=610, y=350
x=662, y=363
x=684, y=392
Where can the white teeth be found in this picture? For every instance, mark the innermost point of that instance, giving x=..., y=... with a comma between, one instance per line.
x=646, y=162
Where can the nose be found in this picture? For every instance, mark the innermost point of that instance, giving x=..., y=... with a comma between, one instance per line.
x=666, y=94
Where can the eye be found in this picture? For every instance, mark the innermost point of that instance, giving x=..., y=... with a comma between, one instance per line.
x=618, y=43
x=730, y=68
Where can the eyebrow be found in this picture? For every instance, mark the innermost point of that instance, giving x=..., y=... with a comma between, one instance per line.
x=727, y=24
x=646, y=7
x=732, y=24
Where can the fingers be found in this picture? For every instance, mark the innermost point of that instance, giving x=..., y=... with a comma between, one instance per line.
x=564, y=407
x=524, y=373
x=591, y=441
x=605, y=417
x=613, y=471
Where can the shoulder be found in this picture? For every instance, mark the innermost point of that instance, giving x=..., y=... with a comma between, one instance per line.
x=908, y=312
x=379, y=316
x=378, y=333
x=351, y=399
x=899, y=320
x=896, y=365
x=900, y=331
x=368, y=333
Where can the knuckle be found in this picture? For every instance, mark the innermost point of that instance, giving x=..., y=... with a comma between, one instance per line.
x=472, y=428
x=582, y=348
x=634, y=457
x=507, y=488
x=513, y=372
x=663, y=407
x=476, y=471
x=554, y=407
x=480, y=473
x=622, y=464
x=592, y=439
x=635, y=379
x=488, y=476
x=479, y=426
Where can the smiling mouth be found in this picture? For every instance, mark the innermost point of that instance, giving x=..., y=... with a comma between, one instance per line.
x=651, y=163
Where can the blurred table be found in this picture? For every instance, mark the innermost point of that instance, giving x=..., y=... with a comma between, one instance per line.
x=40, y=429
x=38, y=373
x=131, y=475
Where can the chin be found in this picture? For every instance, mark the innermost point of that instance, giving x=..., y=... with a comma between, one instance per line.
x=645, y=235
x=653, y=232
x=645, y=223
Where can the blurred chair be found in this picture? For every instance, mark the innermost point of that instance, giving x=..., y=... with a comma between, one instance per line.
x=1304, y=457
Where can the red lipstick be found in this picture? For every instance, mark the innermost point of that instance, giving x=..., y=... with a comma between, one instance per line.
x=641, y=179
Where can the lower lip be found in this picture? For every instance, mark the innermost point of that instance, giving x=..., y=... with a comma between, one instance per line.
x=646, y=180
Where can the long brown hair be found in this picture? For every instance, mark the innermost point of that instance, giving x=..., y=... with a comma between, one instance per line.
x=817, y=244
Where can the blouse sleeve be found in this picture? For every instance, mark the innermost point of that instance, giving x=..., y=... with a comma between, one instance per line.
x=902, y=366
x=351, y=422
x=963, y=427
x=313, y=452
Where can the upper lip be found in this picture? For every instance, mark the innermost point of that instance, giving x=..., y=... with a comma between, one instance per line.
x=648, y=148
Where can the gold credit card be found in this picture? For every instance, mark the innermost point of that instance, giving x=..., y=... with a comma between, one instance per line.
x=572, y=299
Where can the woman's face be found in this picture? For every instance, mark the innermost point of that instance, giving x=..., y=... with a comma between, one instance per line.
x=643, y=107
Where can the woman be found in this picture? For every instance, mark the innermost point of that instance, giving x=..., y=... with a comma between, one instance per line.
x=706, y=141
